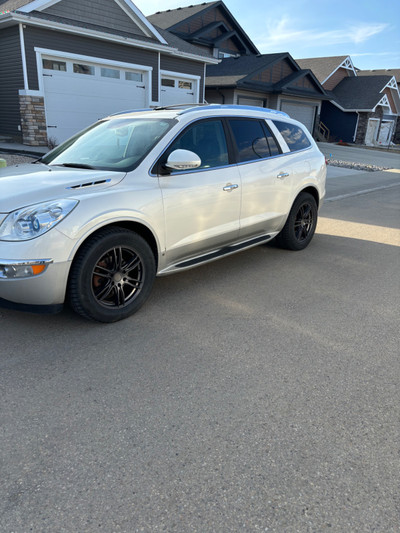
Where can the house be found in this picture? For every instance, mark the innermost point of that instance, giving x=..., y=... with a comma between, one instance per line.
x=386, y=72
x=363, y=108
x=209, y=25
x=267, y=80
x=67, y=63
x=244, y=76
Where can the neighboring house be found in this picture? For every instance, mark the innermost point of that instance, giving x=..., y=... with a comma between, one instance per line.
x=269, y=80
x=386, y=72
x=244, y=76
x=208, y=25
x=67, y=63
x=363, y=108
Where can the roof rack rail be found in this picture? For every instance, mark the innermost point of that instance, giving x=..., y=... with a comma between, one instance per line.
x=130, y=111
x=232, y=106
x=178, y=106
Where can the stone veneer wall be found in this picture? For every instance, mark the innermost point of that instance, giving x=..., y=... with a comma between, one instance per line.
x=363, y=124
x=33, y=120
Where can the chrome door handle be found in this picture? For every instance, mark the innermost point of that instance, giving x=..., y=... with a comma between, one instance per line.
x=230, y=187
x=282, y=175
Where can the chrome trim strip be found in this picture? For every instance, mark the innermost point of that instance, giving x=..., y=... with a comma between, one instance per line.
x=25, y=262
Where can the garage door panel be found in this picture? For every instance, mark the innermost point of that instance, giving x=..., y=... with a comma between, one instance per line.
x=302, y=112
x=73, y=101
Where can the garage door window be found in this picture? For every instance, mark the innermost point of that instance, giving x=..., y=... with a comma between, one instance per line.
x=185, y=85
x=110, y=73
x=133, y=76
x=49, y=64
x=79, y=68
x=166, y=82
x=294, y=136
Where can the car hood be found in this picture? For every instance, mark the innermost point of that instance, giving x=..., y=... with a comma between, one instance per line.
x=29, y=184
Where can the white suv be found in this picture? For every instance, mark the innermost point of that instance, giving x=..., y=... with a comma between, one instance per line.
x=149, y=193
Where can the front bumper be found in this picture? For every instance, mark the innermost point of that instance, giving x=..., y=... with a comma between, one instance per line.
x=45, y=289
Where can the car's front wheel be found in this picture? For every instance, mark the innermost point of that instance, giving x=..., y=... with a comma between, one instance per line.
x=112, y=275
x=300, y=225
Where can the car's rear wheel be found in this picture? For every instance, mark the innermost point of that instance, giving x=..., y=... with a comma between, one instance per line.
x=112, y=275
x=300, y=224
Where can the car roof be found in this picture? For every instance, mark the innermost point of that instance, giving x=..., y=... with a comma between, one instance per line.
x=176, y=111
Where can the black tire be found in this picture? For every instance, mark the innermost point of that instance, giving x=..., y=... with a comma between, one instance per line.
x=300, y=225
x=111, y=276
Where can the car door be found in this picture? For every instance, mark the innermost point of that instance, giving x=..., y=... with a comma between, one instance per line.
x=201, y=206
x=266, y=182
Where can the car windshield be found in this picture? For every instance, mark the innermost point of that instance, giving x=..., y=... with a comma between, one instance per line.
x=118, y=144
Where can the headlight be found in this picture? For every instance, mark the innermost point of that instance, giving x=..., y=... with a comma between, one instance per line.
x=31, y=222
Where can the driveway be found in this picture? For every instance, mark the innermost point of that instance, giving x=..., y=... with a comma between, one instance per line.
x=256, y=393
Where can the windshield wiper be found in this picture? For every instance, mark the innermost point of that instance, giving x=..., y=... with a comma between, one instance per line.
x=76, y=165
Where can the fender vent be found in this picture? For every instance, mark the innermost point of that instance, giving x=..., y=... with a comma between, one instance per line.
x=89, y=184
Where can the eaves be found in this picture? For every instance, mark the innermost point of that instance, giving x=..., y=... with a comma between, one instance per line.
x=16, y=18
x=345, y=110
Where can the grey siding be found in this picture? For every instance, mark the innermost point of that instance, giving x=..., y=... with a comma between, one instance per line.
x=77, y=44
x=11, y=81
x=104, y=13
x=176, y=64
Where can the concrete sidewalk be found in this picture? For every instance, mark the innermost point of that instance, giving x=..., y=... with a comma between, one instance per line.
x=22, y=148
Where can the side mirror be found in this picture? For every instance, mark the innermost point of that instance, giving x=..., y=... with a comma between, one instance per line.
x=183, y=160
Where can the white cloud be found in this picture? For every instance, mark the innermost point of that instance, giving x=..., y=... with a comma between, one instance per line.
x=282, y=34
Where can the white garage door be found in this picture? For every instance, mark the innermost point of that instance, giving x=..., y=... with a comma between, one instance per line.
x=257, y=102
x=301, y=112
x=176, y=90
x=78, y=93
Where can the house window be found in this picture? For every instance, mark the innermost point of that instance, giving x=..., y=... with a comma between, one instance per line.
x=133, y=76
x=167, y=82
x=185, y=85
x=49, y=64
x=110, y=73
x=79, y=68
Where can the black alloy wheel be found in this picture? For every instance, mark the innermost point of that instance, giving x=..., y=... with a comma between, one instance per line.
x=112, y=275
x=300, y=225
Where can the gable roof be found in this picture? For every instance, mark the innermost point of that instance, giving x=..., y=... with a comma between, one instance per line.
x=18, y=11
x=322, y=67
x=36, y=6
x=381, y=72
x=172, y=20
x=171, y=17
x=12, y=5
x=360, y=93
x=241, y=72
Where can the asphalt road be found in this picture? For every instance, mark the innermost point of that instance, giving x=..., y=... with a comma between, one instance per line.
x=257, y=393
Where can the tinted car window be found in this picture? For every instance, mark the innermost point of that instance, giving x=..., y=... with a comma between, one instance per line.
x=250, y=139
x=294, y=136
x=206, y=139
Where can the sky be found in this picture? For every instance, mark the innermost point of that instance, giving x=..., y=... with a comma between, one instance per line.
x=366, y=30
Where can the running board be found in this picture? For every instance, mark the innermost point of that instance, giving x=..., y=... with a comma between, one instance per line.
x=223, y=251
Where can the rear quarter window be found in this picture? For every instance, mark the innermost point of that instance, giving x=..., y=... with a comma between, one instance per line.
x=294, y=136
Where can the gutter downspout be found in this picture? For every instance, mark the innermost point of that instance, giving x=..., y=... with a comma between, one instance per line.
x=23, y=56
